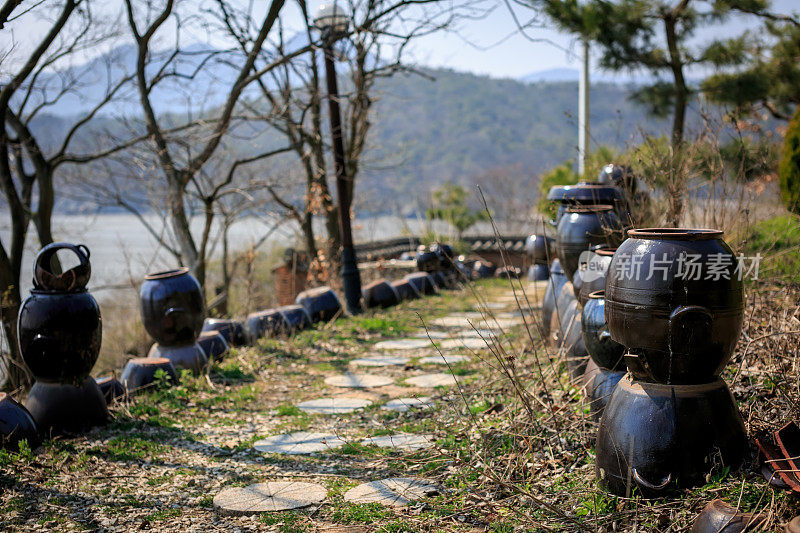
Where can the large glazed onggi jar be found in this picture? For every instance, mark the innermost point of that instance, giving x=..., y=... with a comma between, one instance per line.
x=674, y=298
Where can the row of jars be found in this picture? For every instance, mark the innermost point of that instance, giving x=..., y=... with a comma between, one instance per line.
x=657, y=337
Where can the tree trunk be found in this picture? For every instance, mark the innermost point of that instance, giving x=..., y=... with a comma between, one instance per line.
x=179, y=221
x=681, y=91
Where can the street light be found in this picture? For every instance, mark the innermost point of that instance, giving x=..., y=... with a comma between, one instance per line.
x=332, y=22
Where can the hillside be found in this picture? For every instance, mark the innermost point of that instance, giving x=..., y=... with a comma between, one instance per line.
x=453, y=126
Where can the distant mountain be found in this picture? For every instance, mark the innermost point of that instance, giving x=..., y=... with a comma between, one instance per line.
x=444, y=126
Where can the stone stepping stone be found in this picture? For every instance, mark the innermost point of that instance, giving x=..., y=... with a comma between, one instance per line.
x=433, y=335
x=380, y=360
x=392, y=492
x=453, y=322
x=358, y=381
x=468, y=343
x=476, y=334
x=298, y=443
x=400, y=442
x=403, y=344
x=402, y=405
x=444, y=359
x=333, y=406
x=502, y=323
x=494, y=306
x=269, y=497
x=438, y=379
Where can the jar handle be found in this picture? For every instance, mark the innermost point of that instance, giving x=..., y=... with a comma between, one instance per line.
x=655, y=487
x=702, y=327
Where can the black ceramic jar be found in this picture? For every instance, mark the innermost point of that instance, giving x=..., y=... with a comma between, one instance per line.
x=554, y=285
x=60, y=331
x=582, y=227
x=321, y=303
x=16, y=424
x=173, y=310
x=681, y=323
x=594, y=271
x=540, y=249
x=584, y=193
x=657, y=438
x=603, y=350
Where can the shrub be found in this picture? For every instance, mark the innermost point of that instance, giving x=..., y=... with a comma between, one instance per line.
x=789, y=170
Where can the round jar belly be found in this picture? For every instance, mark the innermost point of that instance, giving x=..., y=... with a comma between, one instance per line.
x=673, y=298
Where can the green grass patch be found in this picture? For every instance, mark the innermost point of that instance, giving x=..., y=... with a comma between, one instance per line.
x=778, y=241
x=364, y=513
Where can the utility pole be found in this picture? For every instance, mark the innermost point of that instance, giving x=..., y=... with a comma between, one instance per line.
x=583, y=110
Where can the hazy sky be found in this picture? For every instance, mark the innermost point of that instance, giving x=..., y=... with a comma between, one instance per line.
x=491, y=45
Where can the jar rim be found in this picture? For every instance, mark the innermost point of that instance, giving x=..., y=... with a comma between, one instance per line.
x=676, y=234
x=596, y=208
x=175, y=272
x=598, y=295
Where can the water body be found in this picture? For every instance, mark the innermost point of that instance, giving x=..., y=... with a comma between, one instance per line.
x=123, y=250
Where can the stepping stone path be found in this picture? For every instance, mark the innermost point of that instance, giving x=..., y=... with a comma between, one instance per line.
x=400, y=441
x=301, y=442
x=468, y=343
x=333, y=406
x=453, y=321
x=403, y=344
x=392, y=492
x=477, y=334
x=444, y=359
x=502, y=323
x=401, y=405
x=358, y=381
x=433, y=335
x=269, y=497
x=380, y=360
x=432, y=380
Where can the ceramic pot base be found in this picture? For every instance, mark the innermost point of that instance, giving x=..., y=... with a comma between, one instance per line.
x=656, y=438
x=67, y=409
x=190, y=357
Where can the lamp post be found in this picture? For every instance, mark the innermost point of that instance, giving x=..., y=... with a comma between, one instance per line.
x=332, y=22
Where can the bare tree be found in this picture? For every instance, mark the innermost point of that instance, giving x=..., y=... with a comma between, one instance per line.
x=29, y=160
x=179, y=162
x=293, y=94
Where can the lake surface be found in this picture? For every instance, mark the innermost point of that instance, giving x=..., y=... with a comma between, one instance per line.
x=123, y=251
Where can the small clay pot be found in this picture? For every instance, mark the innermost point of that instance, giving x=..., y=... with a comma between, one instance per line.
x=427, y=261
x=720, y=517
x=669, y=436
x=482, y=269
x=505, y=272
x=232, y=330
x=296, y=318
x=269, y=323
x=405, y=289
x=682, y=330
x=538, y=272
x=16, y=424
x=380, y=294
x=140, y=372
x=540, y=249
x=604, y=350
x=188, y=357
x=111, y=388
x=422, y=282
x=554, y=285
x=72, y=280
x=321, y=303
x=172, y=307
x=582, y=227
x=66, y=409
x=213, y=344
